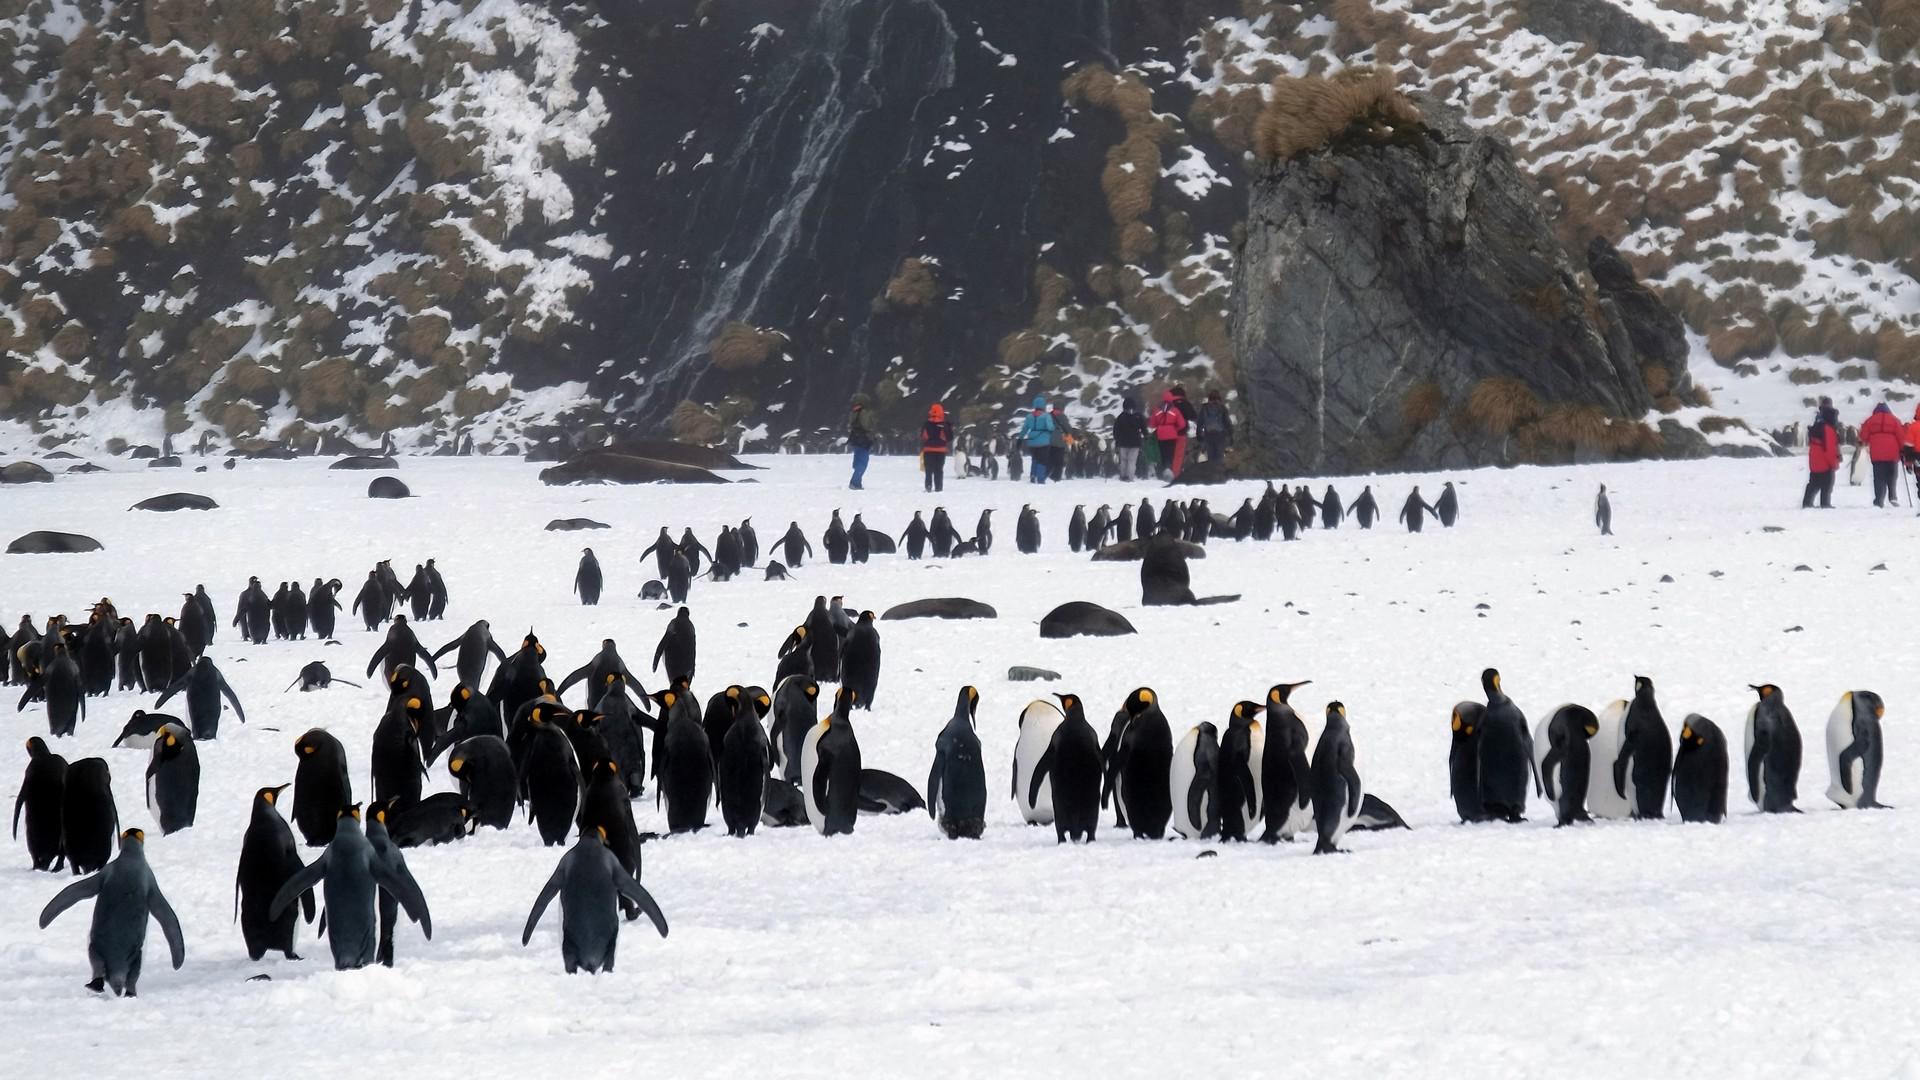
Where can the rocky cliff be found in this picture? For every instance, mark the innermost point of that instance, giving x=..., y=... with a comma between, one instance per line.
x=268, y=218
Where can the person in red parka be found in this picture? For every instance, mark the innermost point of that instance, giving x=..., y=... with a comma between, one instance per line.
x=936, y=439
x=1882, y=436
x=1169, y=427
x=1823, y=456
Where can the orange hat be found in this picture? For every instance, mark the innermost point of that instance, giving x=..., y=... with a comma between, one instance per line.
x=936, y=413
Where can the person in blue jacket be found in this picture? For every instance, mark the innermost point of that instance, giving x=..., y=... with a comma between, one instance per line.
x=1039, y=436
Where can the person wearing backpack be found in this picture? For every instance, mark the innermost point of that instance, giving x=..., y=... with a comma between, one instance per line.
x=1823, y=456
x=936, y=439
x=1038, y=435
x=1216, y=427
x=859, y=440
x=1169, y=427
x=1882, y=435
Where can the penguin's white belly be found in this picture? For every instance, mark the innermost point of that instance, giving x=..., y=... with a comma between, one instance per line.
x=809, y=762
x=1256, y=764
x=1759, y=789
x=1839, y=737
x=1602, y=800
x=1037, y=725
x=1180, y=782
x=1543, y=745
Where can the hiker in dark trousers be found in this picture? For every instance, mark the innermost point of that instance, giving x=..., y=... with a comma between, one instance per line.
x=1038, y=435
x=1057, y=447
x=859, y=440
x=1129, y=432
x=935, y=440
x=1823, y=456
x=1882, y=436
x=1216, y=427
x=1169, y=426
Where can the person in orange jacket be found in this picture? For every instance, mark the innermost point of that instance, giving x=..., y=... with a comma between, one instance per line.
x=936, y=439
x=1883, y=435
x=1823, y=456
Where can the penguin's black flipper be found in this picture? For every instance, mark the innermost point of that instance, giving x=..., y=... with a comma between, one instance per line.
x=301, y=882
x=232, y=699
x=933, y=785
x=822, y=769
x=636, y=892
x=579, y=673
x=1620, y=773
x=1040, y=770
x=375, y=661
x=422, y=654
x=1352, y=777
x=1247, y=789
x=547, y=892
x=1542, y=775
x=393, y=876
x=1754, y=761
x=162, y=913
x=1845, y=764
x=86, y=887
x=1376, y=814
x=448, y=647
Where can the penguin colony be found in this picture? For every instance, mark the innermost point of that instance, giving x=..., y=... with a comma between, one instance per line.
x=515, y=747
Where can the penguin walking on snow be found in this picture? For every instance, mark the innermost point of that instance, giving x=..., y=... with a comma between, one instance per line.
x=1337, y=790
x=684, y=762
x=1855, y=750
x=1506, y=753
x=173, y=779
x=591, y=883
x=42, y=790
x=320, y=785
x=1645, y=762
x=1194, y=780
x=957, y=783
x=351, y=874
x=88, y=816
x=1447, y=506
x=1773, y=752
x=1700, y=771
x=830, y=769
x=860, y=660
x=1365, y=508
x=588, y=579
x=125, y=895
x=1603, y=512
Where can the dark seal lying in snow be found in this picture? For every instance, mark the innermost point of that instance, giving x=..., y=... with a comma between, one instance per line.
x=607, y=467
x=387, y=487
x=1134, y=550
x=1078, y=618
x=1163, y=575
x=179, y=500
x=25, y=472
x=575, y=524
x=941, y=607
x=44, y=542
x=700, y=457
x=364, y=462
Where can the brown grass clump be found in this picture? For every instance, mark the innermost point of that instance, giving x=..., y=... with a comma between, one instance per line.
x=1499, y=404
x=1021, y=348
x=740, y=346
x=1805, y=376
x=1423, y=404
x=1714, y=425
x=694, y=423
x=912, y=285
x=1898, y=352
x=327, y=389
x=1306, y=114
x=1658, y=379
x=1747, y=335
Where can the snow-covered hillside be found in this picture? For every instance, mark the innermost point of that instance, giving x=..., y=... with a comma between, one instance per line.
x=1765, y=946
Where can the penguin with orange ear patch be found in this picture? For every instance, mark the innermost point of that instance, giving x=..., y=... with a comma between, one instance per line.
x=173, y=779
x=1238, y=780
x=1700, y=771
x=320, y=785
x=268, y=859
x=830, y=769
x=1072, y=762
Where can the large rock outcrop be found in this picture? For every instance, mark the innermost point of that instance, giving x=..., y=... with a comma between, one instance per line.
x=1401, y=300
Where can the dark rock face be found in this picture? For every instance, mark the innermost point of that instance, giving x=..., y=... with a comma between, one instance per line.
x=388, y=487
x=1653, y=330
x=25, y=472
x=1605, y=27
x=45, y=542
x=1079, y=618
x=1394, y=288
x=606, y=467
x=179, y=500
x=941, y=607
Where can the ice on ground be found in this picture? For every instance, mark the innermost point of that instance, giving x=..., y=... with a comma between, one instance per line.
x=1768, y=946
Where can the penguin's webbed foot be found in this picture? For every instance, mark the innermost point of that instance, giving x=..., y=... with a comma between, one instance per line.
x=97, y=985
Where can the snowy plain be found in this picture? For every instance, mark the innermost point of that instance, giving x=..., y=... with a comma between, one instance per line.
x=1763, y=947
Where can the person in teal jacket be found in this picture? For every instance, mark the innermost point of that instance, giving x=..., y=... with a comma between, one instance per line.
x=1039, y=436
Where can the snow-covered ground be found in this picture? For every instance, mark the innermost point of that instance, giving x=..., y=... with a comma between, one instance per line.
x=1764, y=947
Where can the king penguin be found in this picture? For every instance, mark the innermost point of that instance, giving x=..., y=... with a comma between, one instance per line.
x=1194, y=781
x=1854, y=750
x=957, y=784
x=830, y=769
x=1700, y=771
x=1773, y=752
x=1037, y=723
x=1337, y=790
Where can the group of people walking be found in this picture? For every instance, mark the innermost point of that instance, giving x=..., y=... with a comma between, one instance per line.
x=1882, y=437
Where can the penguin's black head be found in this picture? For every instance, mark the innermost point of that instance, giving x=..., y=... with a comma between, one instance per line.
x=1141, y=700
x=271, y=795
x=1336, y=710
x=1461, y=725
x=1642, y=685
x=1247, y=710
x=844, y=698
x=36, y=746
x=463, y=692
x=1765, y=690
x=1490, y=681
x=537, y=715
x=133, y=836
x=381, y=809
x=1690, y=735
x=1868, y=703
x=811, y=689
x=349, y=811
x=970, y=700
x=545, y=686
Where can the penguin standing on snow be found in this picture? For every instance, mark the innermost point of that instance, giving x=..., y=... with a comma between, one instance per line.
x=1282, y=768
x=588, y=579
x=1700, y=771
x=484, y=767
x=351, y=874
x=1194, y=780
x=551, y=775
x=1854, y=751
x=794, y=715
x=1072, y=765
x=1413, y=511
x=1566, y=770
x=474, y=646
x=1364, y=508
x=860, y=660
x=794, y=545
x=1463, y=762
x=1026, y=531
x=88, y=816
x=320, y=785
x=1603, y=512
x=915, y=537
x=173, y=779
x=41, y=791
x=1141, y=781
x=268, y=858
x=836, y=541
x=1447, y=506
x=125, y=896
x=1038, y=721
x=830, y=769
x=1337, y=790
x=1239, y=783
x=983, y=532
x=679, y=647
x=204, y=687
x=744, y=760
x=590, y=883
x=823, y=640
x=957, y=783
x=1773, y=752
x=1506, y=753
x=1077, y=528
x=684, y=763
x=749, y=543
x=1646, y=754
